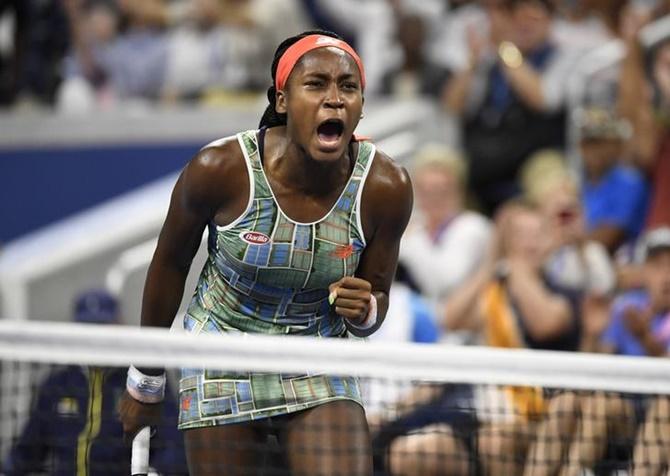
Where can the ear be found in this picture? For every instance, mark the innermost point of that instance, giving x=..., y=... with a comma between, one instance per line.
x=280, y=102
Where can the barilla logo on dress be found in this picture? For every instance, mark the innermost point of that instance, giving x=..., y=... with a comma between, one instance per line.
x=254, y=237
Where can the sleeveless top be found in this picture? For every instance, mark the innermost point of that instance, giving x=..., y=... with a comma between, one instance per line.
x=267, y=273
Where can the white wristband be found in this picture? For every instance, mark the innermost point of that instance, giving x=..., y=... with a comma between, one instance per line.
x=371, y=319
x=145, y=388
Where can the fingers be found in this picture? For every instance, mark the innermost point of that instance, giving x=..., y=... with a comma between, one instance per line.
x=351, y=297
x=345, y=286
x=352, y=308
x=350, y=282
x=349, y=288
x=135, y=415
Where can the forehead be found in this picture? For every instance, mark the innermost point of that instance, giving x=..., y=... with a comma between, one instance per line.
x=327, y=60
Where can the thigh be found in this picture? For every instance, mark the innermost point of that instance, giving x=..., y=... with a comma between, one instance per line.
x=237, y=449
x=331, y=439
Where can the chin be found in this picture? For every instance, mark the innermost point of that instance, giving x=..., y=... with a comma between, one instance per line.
x=320, y=155
x=328, y=153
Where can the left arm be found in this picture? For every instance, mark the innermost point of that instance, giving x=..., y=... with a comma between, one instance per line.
x=386, y=207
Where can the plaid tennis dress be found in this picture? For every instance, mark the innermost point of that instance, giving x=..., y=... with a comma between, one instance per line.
x=269, y=274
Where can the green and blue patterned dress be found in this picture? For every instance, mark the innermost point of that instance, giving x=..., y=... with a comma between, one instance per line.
x=269, y=274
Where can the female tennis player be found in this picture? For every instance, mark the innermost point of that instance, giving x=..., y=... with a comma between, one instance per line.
x=304, y=226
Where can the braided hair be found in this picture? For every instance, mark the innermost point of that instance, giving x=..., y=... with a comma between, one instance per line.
x=271, y=117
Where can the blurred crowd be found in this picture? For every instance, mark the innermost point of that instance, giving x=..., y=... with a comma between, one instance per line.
x=545, y=226
x=106, y=52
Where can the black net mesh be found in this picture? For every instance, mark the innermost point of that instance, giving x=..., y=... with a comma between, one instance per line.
x=62, y=417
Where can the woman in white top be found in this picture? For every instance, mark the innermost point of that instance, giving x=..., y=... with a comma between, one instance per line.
x=444, y=242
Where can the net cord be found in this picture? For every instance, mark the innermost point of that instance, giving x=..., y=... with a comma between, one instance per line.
x=69, y=343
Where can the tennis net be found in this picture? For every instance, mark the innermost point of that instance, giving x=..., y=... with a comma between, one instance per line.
x=431, y=409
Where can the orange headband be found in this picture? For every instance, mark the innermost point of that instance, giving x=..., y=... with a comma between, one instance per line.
x=306, y=44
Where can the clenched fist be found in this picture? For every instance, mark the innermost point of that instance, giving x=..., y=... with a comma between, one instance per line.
x=351, y=298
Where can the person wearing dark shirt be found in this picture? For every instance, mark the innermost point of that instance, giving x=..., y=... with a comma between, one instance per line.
x=73, y=427
x=511, y=96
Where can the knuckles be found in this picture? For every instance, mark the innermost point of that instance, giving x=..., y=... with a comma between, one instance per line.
x=357, y=283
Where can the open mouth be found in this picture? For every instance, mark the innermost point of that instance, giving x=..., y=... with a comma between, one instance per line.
x=330, y=131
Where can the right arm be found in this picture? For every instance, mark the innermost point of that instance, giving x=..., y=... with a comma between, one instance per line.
x=178, y=242
x=199, y=196
x=199, y=193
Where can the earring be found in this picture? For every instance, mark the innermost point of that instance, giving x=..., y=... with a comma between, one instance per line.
x=362, y=115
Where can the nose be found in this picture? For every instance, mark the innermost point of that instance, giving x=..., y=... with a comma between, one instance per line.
x=333, y=99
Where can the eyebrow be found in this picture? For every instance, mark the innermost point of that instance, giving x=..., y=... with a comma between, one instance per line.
x=321, y=75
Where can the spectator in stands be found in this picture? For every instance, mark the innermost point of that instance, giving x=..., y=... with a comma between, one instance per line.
x=444, y=243
x=119, y=50
x=583, y=25
x=32, y=72
x=651, y=455
x=511, y=304
x=613, y=218
x=644, y=101
x=220, y=47
x=74, y=428
x=574, y=261
x=639, y=316
x=597, y=75
x=545, y=315
x=450, y=46
x=210, y=49
x=659, y=213
x=195, y=51
x=510, y=102
x=639, y=326
x=416, y=74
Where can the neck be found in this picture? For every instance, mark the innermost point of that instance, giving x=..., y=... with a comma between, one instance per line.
x=290, y=165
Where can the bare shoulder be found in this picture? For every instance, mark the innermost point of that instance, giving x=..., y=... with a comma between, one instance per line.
x=214, y=175
x=216, y=159
x=388, y=195
x=388, y=179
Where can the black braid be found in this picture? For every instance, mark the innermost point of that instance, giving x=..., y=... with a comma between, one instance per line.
x=271, y=117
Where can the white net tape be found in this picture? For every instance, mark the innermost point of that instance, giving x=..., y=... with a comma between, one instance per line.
x=119, y=346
